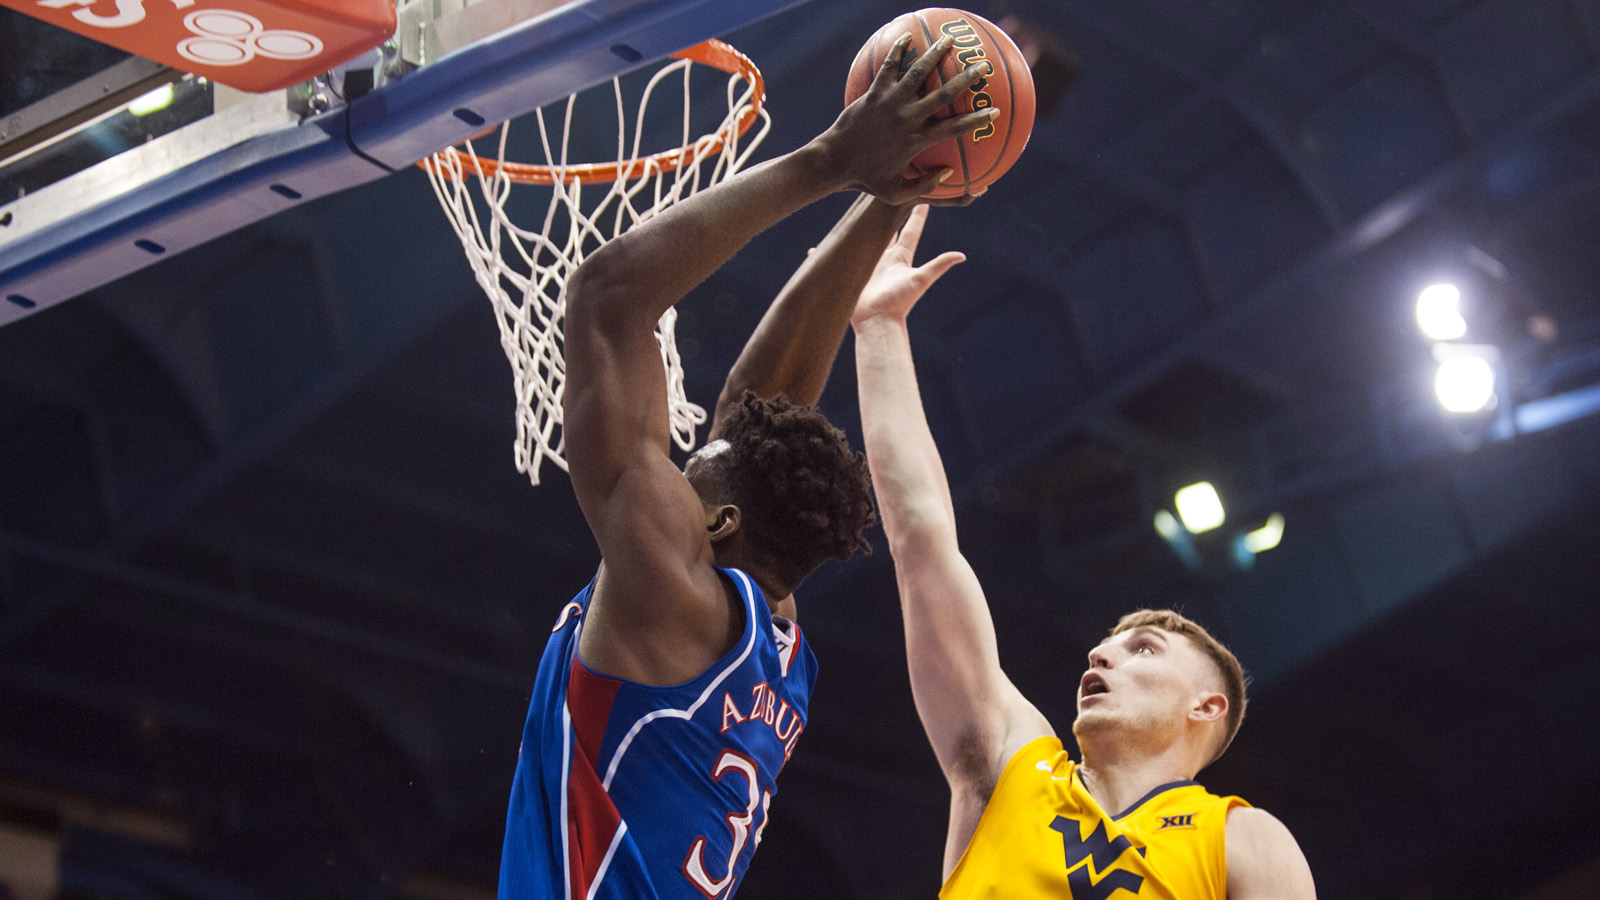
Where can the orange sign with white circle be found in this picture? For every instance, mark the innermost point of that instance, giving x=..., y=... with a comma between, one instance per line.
x=251, y=45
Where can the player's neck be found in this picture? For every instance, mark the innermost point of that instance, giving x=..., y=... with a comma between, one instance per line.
x=784, y=607
x=779, y=593
x=779, y=596
x=1121, y=777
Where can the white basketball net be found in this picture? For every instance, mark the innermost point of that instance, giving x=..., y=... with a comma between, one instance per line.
x=524, y=272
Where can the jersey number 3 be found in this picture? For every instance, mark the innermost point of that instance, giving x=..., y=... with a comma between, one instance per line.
x=694, y=865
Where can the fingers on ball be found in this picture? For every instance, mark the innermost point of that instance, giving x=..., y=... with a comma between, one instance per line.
x=918, y=73
x=954, y=126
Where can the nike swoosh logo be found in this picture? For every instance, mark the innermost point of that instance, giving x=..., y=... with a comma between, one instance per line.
x=1046, y=767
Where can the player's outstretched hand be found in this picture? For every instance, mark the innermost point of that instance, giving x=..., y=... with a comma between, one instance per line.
x=877, y=136
x=896, y=285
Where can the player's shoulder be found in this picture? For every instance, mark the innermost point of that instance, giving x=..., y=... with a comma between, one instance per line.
x=1264, y=859
x=1252, y=823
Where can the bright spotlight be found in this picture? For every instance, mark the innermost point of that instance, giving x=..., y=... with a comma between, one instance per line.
x=1464, y=384
x=1267, y=536
x=1439, y=312
x=1199, y=507
x=155, y=101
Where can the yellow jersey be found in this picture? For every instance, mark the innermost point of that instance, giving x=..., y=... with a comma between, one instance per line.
x=1043, y=837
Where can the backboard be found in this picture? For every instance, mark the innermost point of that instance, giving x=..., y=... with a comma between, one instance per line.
x=453, y=68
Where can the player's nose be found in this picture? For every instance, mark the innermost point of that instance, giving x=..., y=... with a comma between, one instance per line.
x=1099, y=658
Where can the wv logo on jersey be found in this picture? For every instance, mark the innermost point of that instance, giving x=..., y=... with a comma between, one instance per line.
x=1184, y=821
x=1085, y=857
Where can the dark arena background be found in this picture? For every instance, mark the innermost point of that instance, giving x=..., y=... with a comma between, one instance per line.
x=272, y=594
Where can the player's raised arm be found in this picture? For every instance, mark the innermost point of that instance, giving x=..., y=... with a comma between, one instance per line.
x=975, y=717
x=792, y=350
x=658, y=599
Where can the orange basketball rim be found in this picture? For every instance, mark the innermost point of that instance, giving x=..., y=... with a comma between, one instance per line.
x=717, y=54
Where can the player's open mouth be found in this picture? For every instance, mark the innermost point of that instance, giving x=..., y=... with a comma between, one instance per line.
x=1092, y=685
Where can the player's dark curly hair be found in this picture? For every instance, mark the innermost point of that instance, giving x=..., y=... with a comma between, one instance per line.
x=804, y=496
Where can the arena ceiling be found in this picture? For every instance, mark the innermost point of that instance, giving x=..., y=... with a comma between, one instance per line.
x=272, y=592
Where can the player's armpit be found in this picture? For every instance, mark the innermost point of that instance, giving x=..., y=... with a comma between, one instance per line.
x=1264, y=861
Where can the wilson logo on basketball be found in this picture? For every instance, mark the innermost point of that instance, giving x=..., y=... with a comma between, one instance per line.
x=969, y=49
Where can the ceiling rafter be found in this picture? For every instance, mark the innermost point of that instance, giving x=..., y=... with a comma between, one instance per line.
x=441, y=505
x=1413, y=47
x=341, y=573
x=1311, y=183
x=228, y=463
x=1357, y=237
x=1524, y=223
x=94, y=565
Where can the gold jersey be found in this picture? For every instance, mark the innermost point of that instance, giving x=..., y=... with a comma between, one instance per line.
x=1043, y=837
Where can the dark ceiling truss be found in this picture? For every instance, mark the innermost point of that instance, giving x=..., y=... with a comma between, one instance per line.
x=87, y=408
x=1358, y=237
x=1416, y=46
x=248, y=444
x=386, y=682
x=327, y=466
x=1313, y=184
x=1520, y=224
x=95, y=566
x=281, y=244
x=1402, y=437
x=340, y=573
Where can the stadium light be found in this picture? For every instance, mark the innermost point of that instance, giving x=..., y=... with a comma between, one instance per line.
x=1266, y=537
x=1199, y=507
x=1439, y=312
x=1464, y=384
x=155, y=101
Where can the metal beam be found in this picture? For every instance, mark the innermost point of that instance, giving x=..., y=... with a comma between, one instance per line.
x=1274, y=494
x=442, y=506
x=76, y=104
x=345, y=575
x=1312, y=185
x=229, y=462
x=1357, y=237
x=1414, y=47
x=16, y=627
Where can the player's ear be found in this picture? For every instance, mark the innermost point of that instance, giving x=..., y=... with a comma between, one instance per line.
x=1210, y=707
x=722, y=521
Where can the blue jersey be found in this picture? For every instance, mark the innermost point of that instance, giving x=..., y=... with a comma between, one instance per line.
x=627, y=791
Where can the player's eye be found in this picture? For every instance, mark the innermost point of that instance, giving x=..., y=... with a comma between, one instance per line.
x=1145, y=648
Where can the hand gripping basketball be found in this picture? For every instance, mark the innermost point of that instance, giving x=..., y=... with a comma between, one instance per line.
x=876, y=137
x=980, y=156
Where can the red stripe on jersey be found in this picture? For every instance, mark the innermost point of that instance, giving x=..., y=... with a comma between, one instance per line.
x=592, y=819
x=787, y=646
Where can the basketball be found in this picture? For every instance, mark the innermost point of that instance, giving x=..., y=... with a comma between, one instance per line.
x=983, y=155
